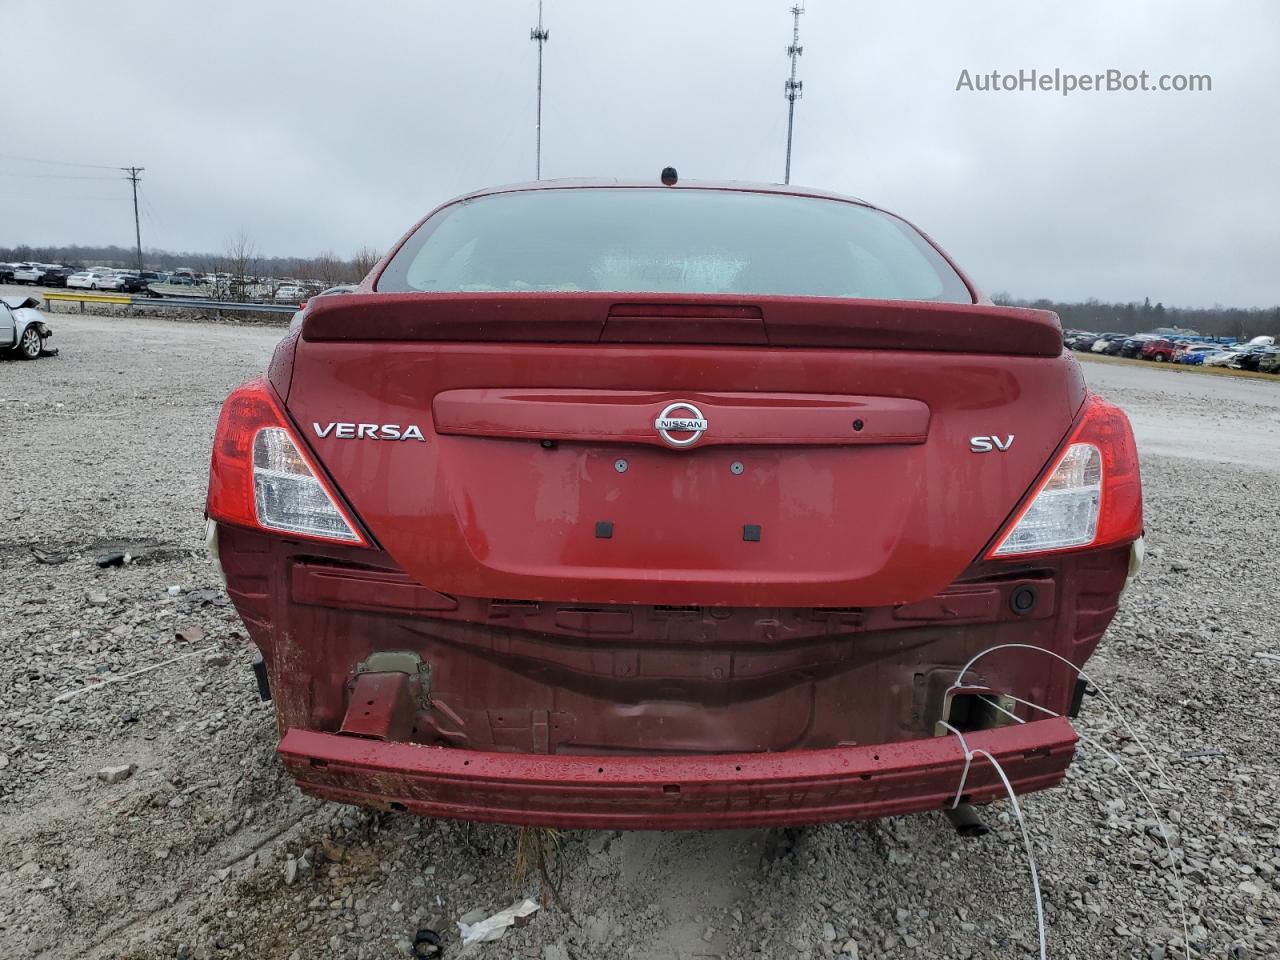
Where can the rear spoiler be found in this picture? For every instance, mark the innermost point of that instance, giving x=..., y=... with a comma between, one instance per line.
x=683, y=319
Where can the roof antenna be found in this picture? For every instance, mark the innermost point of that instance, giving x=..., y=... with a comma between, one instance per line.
x=669, y=176
x=794, y=88
x=541, y=35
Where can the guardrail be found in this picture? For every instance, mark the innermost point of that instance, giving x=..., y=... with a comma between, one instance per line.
x=50, y=295
x=181, y=303
x=204, y=304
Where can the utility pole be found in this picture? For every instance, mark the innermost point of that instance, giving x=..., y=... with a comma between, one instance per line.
x=540, y=35
x=131, y=174
x=794, y=88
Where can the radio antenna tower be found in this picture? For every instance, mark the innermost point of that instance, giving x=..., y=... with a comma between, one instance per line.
x=541, y=35
x=794, y=87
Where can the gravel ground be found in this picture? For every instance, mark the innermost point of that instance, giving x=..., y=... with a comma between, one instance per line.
x=200, y=848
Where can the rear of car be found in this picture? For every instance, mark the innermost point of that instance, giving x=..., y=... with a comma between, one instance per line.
x=1254, y=355
x=632, y=506
x=1132, y=346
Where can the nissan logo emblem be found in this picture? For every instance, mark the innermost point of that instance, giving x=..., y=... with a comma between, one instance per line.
x=681, y=418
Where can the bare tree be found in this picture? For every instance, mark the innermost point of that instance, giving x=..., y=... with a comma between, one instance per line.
x=241, y=261
x=364, y=260
x=326, y=268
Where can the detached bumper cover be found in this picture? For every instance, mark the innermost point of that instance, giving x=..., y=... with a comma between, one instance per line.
x=676, y=792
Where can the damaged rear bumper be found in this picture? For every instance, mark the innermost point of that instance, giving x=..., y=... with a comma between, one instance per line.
x=676, y=792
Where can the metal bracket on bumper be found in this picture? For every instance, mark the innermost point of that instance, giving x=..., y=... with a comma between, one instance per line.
x=675, y=792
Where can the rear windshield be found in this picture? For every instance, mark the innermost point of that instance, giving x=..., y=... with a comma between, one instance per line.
x=663, y=240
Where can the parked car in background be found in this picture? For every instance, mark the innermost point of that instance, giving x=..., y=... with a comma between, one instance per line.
x=1109, y=343
x=290, y=292
x=1270, y=363
x=152, y=276
x=331, y=292
x=95, y=278
x=6, y=272
x=1159, y=350
x=1254, y=353
x=1079, y=339
x=32, y=272
x=1226, y=357
x=128, y=281
x=23, y=328
x=1195, y=354
x=55, y=277
x=1132, y=346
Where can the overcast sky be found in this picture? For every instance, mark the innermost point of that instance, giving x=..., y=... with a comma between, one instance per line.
x=332, y=125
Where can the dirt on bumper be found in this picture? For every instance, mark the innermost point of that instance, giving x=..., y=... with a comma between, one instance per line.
x=677, y=792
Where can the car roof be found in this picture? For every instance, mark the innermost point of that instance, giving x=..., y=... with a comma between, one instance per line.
x=736, y=186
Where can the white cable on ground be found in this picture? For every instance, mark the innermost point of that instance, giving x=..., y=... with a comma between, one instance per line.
x=1084, y=676
x=72, y=694
x=1164, y=830
x=1026, y=836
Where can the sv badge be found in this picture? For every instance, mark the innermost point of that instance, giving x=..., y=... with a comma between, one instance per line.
x=988, y=444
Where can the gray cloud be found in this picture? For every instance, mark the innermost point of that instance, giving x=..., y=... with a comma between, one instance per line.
x=327, y=126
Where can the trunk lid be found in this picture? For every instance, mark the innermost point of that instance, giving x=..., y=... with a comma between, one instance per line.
x=680, y=450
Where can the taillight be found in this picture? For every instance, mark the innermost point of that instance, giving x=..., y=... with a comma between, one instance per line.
x=1092, y=497
x=261, y=476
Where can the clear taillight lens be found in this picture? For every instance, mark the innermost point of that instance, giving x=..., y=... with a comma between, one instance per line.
x=287, y=494
x=1093, y=495
x=260, y=474
x=1065, y=511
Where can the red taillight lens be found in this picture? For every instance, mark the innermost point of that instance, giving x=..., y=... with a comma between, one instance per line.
x=1091, y=497
x=261, y=476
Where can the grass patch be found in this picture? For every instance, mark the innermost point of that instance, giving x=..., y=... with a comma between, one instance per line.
x=1176, y=367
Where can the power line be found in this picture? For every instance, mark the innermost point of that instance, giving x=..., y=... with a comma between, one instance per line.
x=794, y=88
x=57, y=163
x=53, y=176
x=541, y=35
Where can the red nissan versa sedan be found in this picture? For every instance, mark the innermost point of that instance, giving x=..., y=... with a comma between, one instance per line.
x=627, y=505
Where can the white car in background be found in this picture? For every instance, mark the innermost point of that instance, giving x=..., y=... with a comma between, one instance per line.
x=291, y=292
x=32, y=272
x=1227, y=357
x=23, y=328
x=94, y=279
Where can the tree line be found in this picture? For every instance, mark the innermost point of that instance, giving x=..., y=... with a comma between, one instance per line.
x=1133, y=317
x=240, y=259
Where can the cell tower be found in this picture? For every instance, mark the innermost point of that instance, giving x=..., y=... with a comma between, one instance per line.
x=794, y=87
x=540, y=35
